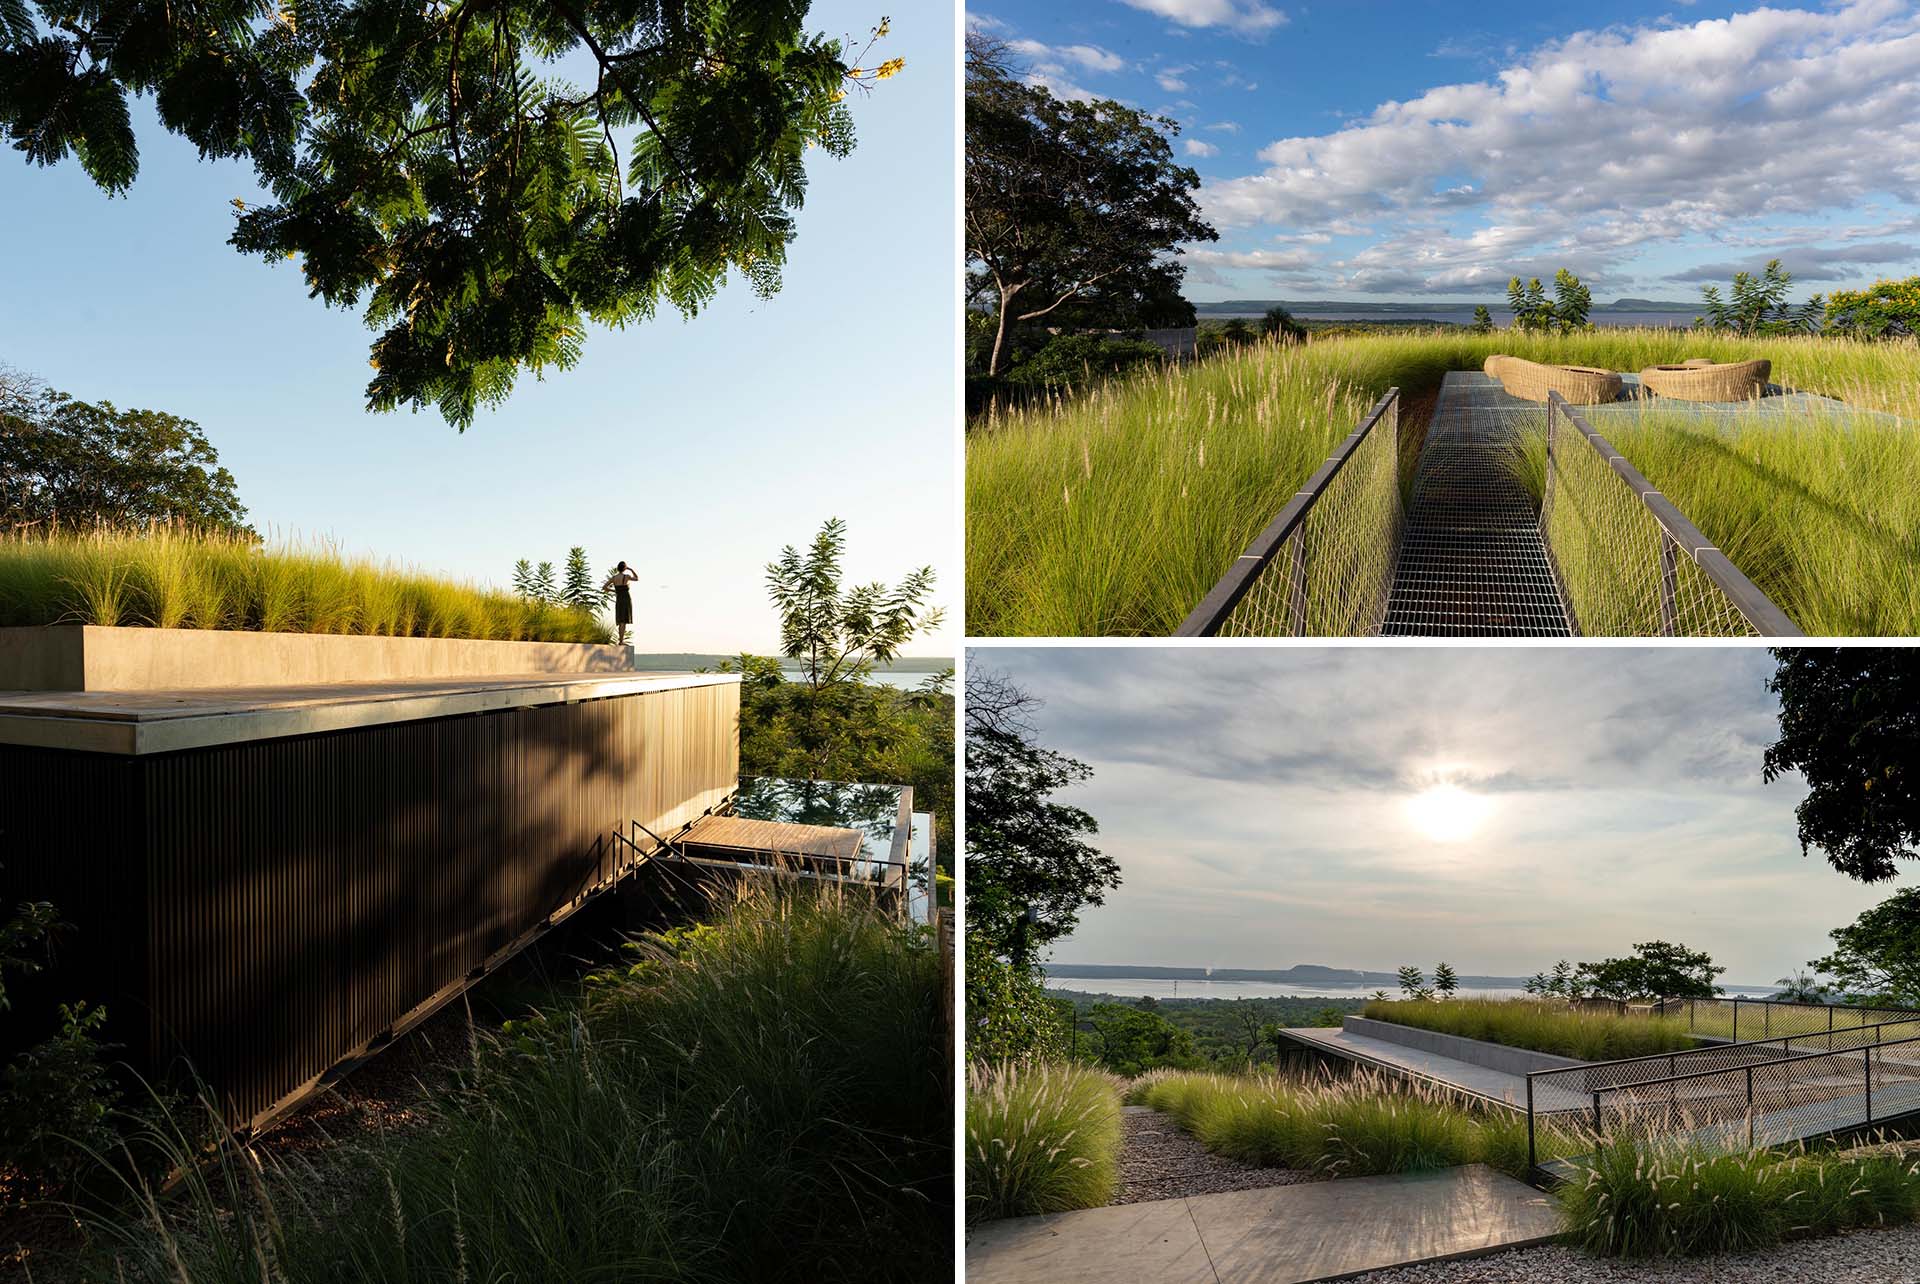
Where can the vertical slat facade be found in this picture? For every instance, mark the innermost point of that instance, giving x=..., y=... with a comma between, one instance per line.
x=265, y=909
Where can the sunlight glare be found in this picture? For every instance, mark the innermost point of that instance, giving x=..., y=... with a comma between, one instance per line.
x=1447, y=813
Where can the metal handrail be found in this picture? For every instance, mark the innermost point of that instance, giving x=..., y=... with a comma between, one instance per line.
x=1220, y=600
x=1678, y=533
x=1755, y=1065
x=1730, y=1047
x=1747, y=1068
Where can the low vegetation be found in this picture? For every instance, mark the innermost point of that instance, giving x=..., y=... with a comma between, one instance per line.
x=1540, y=1027
x=1114, y=512
x=176, y=578
x=1042, y=1137
x=1820, y=513
x=786, y=1059
x=1356, y=1126
x=1640, y=1198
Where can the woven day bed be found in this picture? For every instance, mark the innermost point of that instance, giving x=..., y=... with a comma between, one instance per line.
x=1532, y=381
x=1699, y=380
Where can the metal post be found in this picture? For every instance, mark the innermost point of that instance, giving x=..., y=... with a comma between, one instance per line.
x=1533, y=1158
x=1766, y=1021
x=1546, y=491
x=1749, y=1107
x=1596, y=1119
x=1829, y=1023
x=1669, y=585
x=1736, y=1020
x=1867, y=1056
x=1297, y=575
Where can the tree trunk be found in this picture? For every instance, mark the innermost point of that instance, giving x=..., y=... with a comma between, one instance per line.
x=1000, y=329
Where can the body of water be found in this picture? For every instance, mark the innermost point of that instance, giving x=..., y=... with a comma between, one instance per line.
x=1131, y=987
x=903, y=681
x=1464, y=316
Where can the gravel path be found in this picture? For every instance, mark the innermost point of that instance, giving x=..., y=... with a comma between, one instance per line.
x=1862, y=1257
x=1159, y=1161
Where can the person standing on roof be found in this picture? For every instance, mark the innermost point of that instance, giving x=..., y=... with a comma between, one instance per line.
x=623, y=575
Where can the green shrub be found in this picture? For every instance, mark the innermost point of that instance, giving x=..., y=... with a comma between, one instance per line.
x=1638, y=1198
x=1886, y=309
x=1356, y=1126
x=1042, y=1137
x=1540, y=1027
x=769, y=1102
x=1009, y=1016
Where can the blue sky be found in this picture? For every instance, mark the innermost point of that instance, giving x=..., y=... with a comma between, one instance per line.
x=1375, y=151
x=1273, y=806
x=694, y=450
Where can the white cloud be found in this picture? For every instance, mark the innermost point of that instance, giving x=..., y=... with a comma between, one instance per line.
x=1243, y=17
x=1088, y=57
x=1194, y=147
x=1224, y=127
x=1590, y=149
x=1170, y=82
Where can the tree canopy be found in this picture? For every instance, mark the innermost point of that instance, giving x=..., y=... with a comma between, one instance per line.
x=429, y=161
x=1069, y=201
x=1568, y=312
x=1023, y=850
x=1850, y=725
x=1758, y=305
x=1877, y=956
x=1655, y=970
x=74, y=463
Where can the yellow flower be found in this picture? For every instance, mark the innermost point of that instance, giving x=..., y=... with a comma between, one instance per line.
x=836, y=95
x=891, y=67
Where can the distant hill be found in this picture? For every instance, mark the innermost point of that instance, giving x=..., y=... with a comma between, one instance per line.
x=697, y=660
x=1242, y=307
x=1298, y=974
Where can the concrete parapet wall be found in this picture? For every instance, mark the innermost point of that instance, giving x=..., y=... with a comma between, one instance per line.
x=83, y=657
x=1494, y=1056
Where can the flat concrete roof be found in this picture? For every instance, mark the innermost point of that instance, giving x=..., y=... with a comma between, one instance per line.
x=141, y=722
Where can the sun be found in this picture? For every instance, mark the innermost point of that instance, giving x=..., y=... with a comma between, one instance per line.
x=1447, y=813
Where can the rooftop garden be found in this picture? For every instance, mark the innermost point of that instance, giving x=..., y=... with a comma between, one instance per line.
x=1114, y=510
x=1537, y=1026
x=181, y=578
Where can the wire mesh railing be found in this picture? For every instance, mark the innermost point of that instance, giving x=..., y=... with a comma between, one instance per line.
x=1783, y=1099
x=1324, y=566
x=1629, y=563
x=1751, y=1019
x=1807, y=1080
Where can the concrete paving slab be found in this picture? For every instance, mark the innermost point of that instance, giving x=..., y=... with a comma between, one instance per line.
x=1275, y=1235
x=1150, y=1241
x=1331, y=1230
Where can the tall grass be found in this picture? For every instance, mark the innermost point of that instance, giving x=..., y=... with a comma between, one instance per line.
x=1635, y=1197
x=1114, y=512
x=767, y=1101
x=180, y=579
x=1821, y=512
x=1043, y=1137
x=1356, y=1126
x=1541, y=1027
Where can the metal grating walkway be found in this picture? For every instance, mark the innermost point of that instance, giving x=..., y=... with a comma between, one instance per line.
x=1472, y=563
